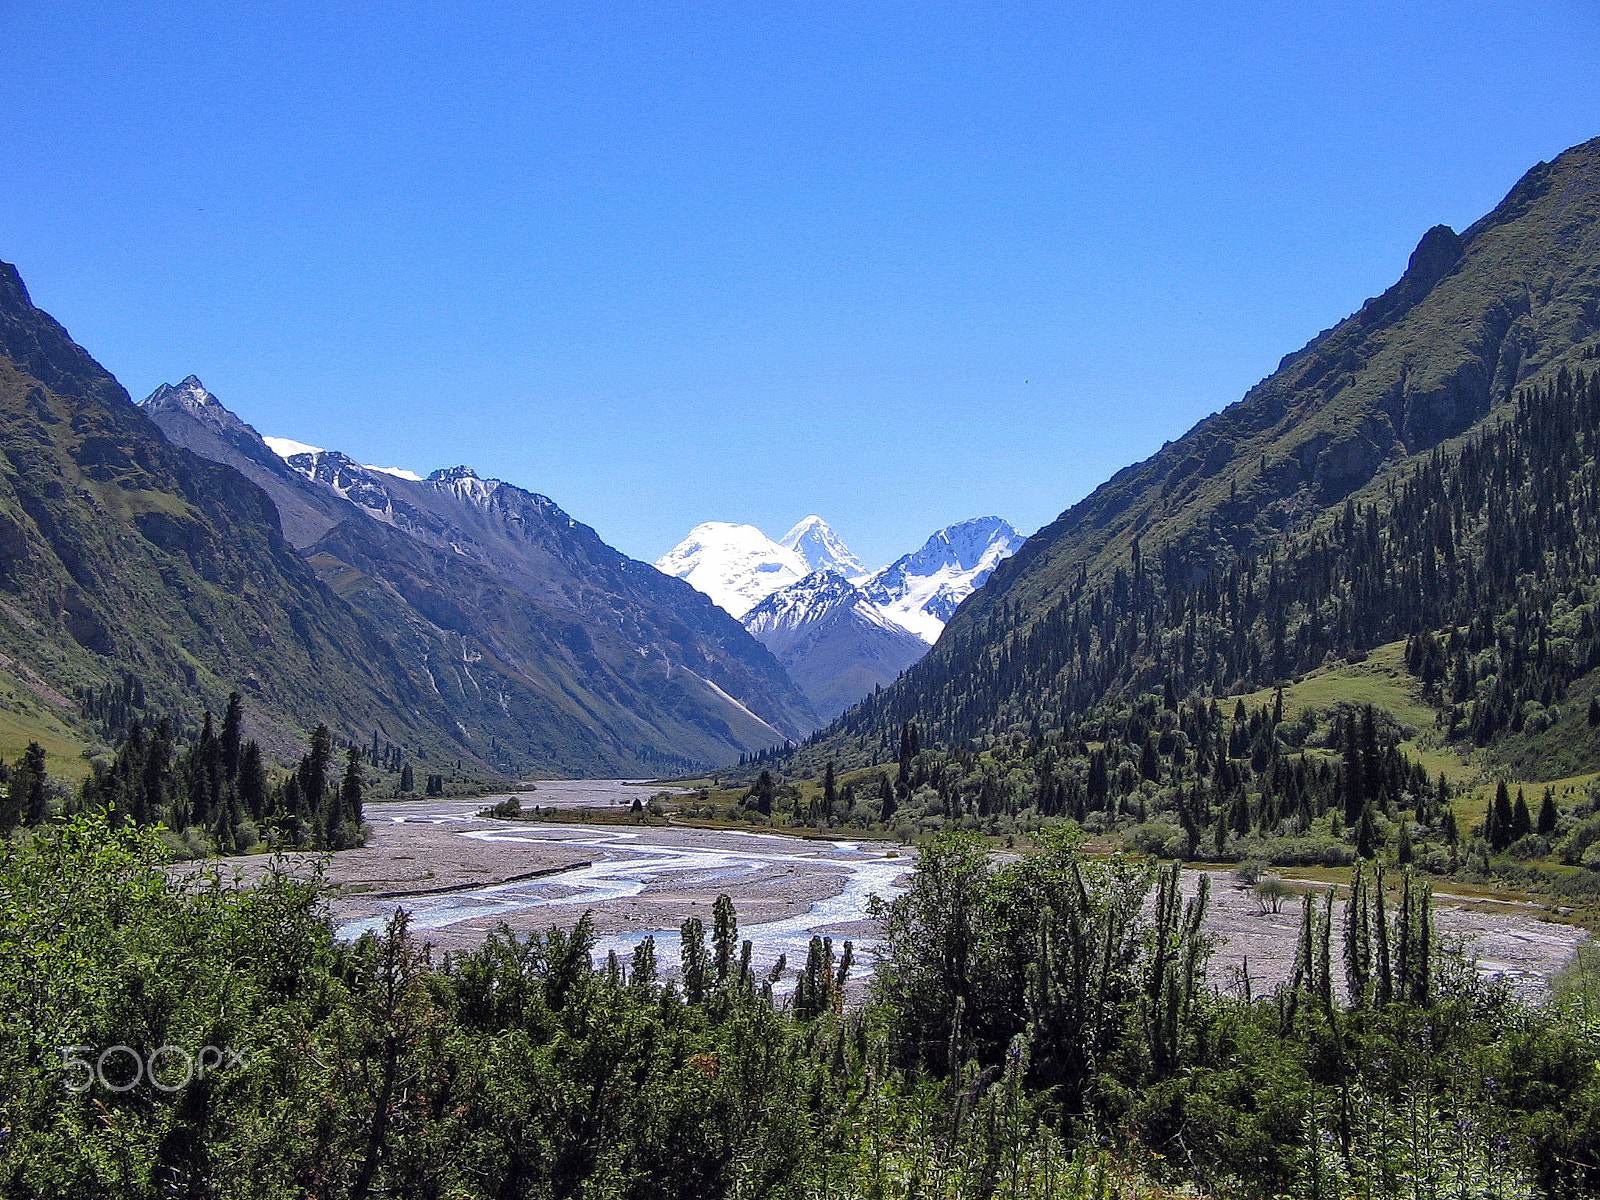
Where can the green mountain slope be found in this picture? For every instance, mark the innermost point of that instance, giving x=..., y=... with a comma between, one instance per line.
x=122, y=554
x=1084, y=611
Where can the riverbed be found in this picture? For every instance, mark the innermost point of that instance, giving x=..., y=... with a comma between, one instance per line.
x=461, y=876
x=635, y=881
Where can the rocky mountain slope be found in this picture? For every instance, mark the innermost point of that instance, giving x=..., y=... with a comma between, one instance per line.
x=122, y=555
x=556, y=651
x=834, y=642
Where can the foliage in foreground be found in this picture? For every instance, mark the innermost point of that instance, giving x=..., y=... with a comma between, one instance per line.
x=1037, y=1029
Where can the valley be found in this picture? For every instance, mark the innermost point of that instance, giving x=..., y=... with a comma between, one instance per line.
x=1178, y=808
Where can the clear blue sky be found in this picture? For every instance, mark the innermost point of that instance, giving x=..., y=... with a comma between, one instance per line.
x=898, y=264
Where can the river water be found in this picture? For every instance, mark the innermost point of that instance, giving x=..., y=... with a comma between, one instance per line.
x=790, y=888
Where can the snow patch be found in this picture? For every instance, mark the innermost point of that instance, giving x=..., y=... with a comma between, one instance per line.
x=287, y=447
x=397, y=472
x=738, y=566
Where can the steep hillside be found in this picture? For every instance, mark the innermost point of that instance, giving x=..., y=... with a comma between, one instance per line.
x=1081, y=613
x=556, y=651
x=122, y=554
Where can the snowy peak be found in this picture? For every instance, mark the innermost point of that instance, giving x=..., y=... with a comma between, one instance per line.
x=464, y=484
x=287, y=448
x=738, y=566
x=813, y=540
x=922, y=590
x=834, y=642
x=808, y=600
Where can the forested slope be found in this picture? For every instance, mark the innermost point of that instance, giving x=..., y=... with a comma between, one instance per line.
x=1387, y=480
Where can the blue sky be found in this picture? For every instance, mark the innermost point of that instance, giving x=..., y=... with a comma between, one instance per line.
x=898, y=264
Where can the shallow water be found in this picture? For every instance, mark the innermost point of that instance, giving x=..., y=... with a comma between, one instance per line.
x=628, y=862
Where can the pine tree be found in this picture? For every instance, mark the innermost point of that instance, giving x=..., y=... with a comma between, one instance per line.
x=886, y=801
x=1366, y=835
x=830, y=795
x=344, y=815
x=1521, y=819
x=232, y=745
x=1497, y=829
x=37, y=810
x=764, y=793
x=724, y=937
x=692, y=959
x=252, y=781
x=1547, y=813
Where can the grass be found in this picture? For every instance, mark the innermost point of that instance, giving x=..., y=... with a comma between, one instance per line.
x=63, y=751
x=1381, y=680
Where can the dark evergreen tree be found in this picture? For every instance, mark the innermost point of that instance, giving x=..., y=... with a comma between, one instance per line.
x=1547, y=813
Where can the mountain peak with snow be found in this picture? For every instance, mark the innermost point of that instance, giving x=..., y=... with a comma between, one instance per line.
x=834, y=642
x=287, y=448
x=736, y=565
x=823, y=550
x=922, y=590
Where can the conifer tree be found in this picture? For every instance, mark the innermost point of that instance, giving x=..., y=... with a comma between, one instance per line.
x=1497, y=831
x=33, y=768
x=886, y=801
x=1547, y=813
x=1521, y=819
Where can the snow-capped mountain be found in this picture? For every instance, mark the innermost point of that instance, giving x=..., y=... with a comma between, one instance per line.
x=838, y=630
x=922, y=590
x=834, y=642
x=813, y=540
x=738, y=566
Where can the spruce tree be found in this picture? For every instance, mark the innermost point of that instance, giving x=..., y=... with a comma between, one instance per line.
x=1547, y=813
x=764, y=793
x=232, y=744
x=1521, y=819
x=37, y=806
x=1498, y=825
x=1366, y=835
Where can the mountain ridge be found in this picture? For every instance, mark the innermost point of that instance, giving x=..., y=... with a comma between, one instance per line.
x=586, y=659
